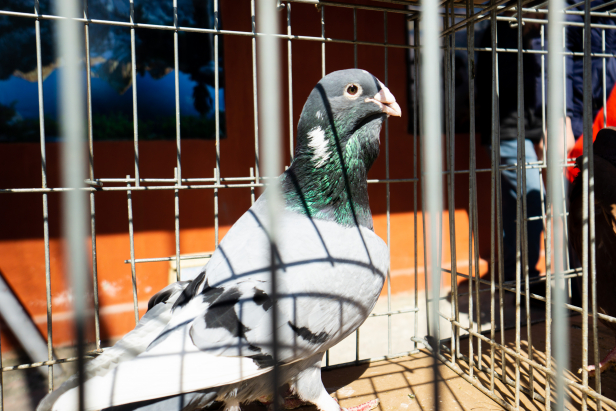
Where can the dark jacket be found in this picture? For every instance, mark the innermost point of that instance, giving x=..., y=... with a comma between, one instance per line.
x=508, y=80
x=575, y=65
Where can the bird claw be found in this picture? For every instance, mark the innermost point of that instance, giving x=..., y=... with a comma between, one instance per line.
x=608, y=362
x=367, y=406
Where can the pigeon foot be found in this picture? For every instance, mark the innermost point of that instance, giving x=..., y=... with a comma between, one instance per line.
x=608, y=362
x=367, y=406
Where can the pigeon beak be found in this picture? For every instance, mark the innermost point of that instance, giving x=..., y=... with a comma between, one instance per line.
x=386, y=101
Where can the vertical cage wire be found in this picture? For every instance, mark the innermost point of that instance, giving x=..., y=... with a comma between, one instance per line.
x=520, y=269
x=178, y=170
x=448, y=108
x=588, y=215
x=494, y=205
x=472, y=235
x=217, y=127
x=133, y=67
x=387, y=198
x=97, y=334
x=322, y=7
x=290, y=83
x=39, y=75
x=451, y=59
x=595, y=328
x=355, y=66
x=255, y=100
x=131, y=235
x=416, y=54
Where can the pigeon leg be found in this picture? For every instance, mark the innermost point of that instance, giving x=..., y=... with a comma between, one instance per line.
x=367, y=406
x=606, y=363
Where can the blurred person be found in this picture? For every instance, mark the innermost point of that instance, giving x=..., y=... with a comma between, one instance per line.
x=574, y=72
x=575, y=77
x=507, y=117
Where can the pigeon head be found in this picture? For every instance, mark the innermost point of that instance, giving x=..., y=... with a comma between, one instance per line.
x=337, y=143
x=341, y=104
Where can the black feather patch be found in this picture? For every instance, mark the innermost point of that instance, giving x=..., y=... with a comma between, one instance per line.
x=263, y=360
x=190, y=291
x=159, y=297
x=261, y=298
x=254, y=348
x=221, y=313
x=306, y=334
x=211, y=294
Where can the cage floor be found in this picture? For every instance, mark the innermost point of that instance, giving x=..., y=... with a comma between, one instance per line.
x=507, y=392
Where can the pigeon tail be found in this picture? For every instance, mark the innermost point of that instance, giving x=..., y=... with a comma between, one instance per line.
x=133, y=344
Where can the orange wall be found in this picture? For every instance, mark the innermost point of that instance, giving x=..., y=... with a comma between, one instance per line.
x=21, y=230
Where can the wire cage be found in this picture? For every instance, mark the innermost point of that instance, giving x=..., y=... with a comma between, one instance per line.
x=445, y=306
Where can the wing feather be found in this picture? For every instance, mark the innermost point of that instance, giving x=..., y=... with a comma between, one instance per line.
x=172, y=367
x=131, y=345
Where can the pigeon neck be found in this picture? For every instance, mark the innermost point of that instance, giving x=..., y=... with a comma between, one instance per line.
x=328, y=177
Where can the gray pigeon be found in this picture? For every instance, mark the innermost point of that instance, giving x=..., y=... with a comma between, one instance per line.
x=210, y=340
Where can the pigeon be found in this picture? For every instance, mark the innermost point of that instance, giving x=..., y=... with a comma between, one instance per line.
x=209, y=340
x=604, y=149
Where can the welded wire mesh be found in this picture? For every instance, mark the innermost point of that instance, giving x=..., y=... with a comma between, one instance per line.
x=132, y=185
x=441, y=22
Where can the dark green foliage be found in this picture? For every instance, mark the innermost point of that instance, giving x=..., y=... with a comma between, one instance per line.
x=15, y=129
x=120, y=127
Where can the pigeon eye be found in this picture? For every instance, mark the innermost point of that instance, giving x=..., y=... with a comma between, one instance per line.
x=352, y=91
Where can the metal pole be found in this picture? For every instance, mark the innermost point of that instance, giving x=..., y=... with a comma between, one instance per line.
x=73, y=131
x=556, y=130
x=432, y=155
x=269, y=75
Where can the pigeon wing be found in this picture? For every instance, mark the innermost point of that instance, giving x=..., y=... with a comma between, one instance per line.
x=172, y=367
x=131, y=345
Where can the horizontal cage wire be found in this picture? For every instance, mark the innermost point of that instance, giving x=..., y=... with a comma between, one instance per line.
x=526, y=336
